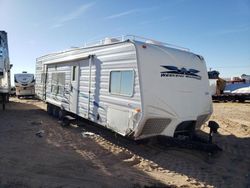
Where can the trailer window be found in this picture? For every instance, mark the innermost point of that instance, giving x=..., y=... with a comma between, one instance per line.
x=122, y=82
x=58, y=83
x=54, y=83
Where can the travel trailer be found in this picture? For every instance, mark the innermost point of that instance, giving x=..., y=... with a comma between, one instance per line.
x=4, y=68
x=134, y=86
x=25, y=85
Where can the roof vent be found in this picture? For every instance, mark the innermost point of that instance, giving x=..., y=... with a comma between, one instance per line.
x=110, y=40
x=24, y=72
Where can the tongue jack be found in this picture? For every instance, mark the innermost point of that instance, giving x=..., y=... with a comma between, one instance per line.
x=213, y=129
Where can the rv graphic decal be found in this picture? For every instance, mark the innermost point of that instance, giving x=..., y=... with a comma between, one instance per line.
x=180, y=72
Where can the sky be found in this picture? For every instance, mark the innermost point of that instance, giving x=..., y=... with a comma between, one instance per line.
x=219, y=30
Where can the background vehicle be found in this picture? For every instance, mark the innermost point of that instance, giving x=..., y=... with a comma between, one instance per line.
x=25, y=85
x=5, y=67
x=234, y=89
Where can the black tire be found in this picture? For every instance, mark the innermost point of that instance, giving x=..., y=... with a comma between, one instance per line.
x=61, y=114
x=55, y=111
x=65, y=122
x=49, y=109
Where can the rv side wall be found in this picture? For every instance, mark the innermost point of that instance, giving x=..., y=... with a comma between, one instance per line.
x=40, y=79
x=114, y=85
x=5, y=83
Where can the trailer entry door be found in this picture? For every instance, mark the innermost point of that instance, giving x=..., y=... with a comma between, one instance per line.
x=74, y=87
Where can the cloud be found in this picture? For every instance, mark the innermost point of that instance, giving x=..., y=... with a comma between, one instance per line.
x=73, y=15
x=122, y=14
x=132, y=11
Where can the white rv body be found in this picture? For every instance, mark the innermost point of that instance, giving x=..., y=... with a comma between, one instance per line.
x=135, y=88
x=25, y=84
x=4, y=64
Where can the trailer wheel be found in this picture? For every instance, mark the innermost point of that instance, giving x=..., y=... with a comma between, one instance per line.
x=55, y=111
x=65, y=122
x=49, y=109
x=61, y=114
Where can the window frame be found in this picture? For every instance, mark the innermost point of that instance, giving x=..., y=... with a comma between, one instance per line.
x=74, y=73
x=133, y=82
x=57, y=85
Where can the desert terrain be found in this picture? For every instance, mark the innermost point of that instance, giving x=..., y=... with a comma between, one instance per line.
x=90, y=156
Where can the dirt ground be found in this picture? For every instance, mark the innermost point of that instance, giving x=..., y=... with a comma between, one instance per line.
x=63, y=157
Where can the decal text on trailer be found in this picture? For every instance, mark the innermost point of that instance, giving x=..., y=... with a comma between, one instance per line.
x=180, y=72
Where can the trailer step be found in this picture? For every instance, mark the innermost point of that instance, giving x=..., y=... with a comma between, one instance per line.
x=67, y=120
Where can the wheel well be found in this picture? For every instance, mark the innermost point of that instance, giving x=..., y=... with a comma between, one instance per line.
x=185, y=128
